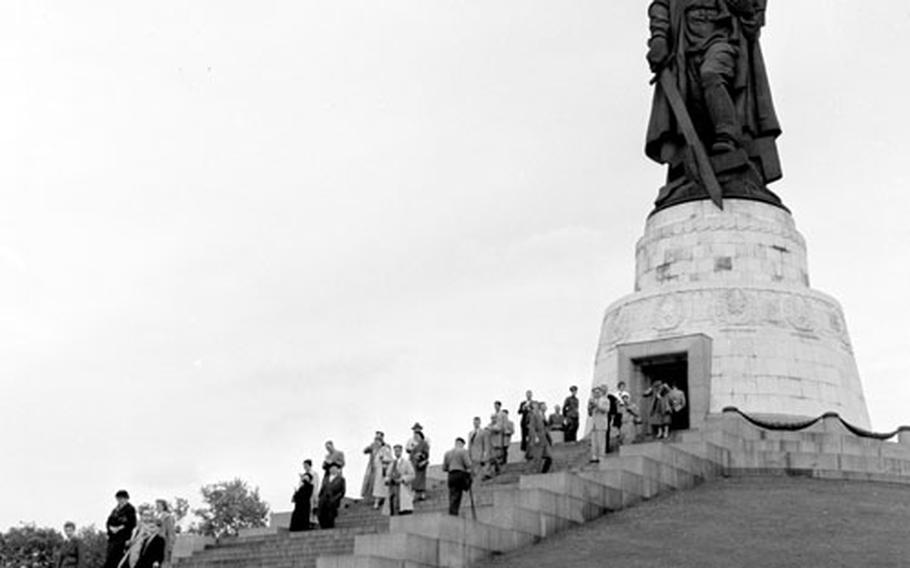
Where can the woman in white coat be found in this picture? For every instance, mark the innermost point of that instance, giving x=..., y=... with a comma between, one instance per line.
x=598, y=410
x=374, y=478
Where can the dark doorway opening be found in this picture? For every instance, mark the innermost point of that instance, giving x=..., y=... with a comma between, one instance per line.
x=671, y=368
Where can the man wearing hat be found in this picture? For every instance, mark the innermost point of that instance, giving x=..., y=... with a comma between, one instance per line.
x=570, y=412
x=330, y=496
x=409, y=446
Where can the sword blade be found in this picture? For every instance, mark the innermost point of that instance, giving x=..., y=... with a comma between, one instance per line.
x=705, y=171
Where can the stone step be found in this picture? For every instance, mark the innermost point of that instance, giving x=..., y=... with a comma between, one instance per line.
x=378, y=522
x=242, y=553
x=434, y=539
x=657, y=477
x=299, y=550
x=365, y=561
x=280, y=547
x=288, y=537
x=862, y=476
x=632, y=487
x=820, y=461
x=719, y=438
x=716, y=455
x=585, y=499
x=564, y=455
x=268, y=558
x=829, y=443
x=529, y=511
x=678, y=457
x=453, y=532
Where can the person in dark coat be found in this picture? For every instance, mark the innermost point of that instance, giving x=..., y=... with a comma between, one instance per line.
x=305, y=498
x=420, y=458
x=120, y=525
x=524, y=411
x=151, y=555
x=147, y=547
x=71, y=553
x=571, y=414
x=676, y=399
x=659, y=416
x=615, y=418
x=168, y=530
x=330, y=496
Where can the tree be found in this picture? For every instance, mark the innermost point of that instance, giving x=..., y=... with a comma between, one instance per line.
x=34, y=547
x=28, y=545
x=94, y=546
x=230, y=506
x=180, y=507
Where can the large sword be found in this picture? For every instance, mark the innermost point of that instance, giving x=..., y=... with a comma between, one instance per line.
x=702, y=162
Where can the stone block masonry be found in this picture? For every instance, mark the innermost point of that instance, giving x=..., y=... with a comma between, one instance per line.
x=739, y=278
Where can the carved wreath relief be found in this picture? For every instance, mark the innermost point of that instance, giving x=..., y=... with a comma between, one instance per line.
x=668, y=314
x=798, y=312
x=733, y=307
x=708, y=308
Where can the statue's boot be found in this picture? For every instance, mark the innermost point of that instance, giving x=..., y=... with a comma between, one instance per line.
x=722, y=113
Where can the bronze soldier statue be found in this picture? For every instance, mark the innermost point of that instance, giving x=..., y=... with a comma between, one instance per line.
x=711, y=52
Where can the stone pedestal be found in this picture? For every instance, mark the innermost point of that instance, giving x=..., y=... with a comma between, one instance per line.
x=726, y=293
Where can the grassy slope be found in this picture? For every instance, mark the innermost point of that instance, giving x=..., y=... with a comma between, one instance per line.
x=762, y=522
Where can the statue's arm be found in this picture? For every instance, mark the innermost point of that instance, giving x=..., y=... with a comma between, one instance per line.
x=659, y=15
x=659, y=44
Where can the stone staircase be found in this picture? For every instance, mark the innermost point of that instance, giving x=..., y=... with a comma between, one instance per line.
x=520, y=507
x=275, y=547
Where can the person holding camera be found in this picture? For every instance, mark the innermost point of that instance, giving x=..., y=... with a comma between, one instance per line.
x=377, y=466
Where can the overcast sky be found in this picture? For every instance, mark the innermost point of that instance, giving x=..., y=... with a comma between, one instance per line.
x=232, y=230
